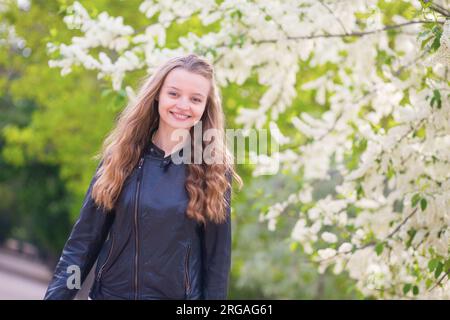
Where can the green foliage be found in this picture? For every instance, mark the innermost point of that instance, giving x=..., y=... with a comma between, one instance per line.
x=436, y=99
x=50, y=129
x=406, y=288
x=432, y=264
x=423, y=204
x=268, y=265
x=34, y=206
x=426, y=3
x=379, y=248
x=415, y=200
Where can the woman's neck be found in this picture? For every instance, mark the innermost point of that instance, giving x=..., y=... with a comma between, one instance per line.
x=162, y=139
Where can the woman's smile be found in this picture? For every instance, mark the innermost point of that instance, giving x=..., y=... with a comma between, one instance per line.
x=179, y=116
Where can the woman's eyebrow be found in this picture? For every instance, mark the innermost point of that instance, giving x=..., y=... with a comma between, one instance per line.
x=196, y=93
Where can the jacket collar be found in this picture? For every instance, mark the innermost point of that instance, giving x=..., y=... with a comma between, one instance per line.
x=156, y=152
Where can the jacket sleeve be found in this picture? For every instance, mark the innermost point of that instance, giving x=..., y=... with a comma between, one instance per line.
x=81, y=249
x=216, y=252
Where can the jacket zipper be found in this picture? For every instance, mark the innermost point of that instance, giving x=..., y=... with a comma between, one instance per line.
x=187, y=281
x=107, y=259
x=136, y=256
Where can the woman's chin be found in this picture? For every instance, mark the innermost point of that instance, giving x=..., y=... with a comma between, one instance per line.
x=178, y=125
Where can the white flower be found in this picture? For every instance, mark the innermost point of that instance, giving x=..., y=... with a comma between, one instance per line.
x=345, y=247
x=315, y=228
x=277, y=135
x=300, y=231
x=24, y=4
x=314, y=213
x=326, y=253
x=329, y=237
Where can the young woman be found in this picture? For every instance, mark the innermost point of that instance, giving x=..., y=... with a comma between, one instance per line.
x=158, y=228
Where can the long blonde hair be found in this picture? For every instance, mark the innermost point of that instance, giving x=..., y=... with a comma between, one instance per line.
x=206, y=184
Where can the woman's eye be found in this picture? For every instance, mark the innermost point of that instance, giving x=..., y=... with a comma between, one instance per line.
x=174, y=94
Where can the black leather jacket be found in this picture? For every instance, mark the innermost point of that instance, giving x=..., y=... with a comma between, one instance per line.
x=147, y=248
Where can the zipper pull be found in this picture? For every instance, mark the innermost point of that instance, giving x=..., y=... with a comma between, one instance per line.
x=141, y=161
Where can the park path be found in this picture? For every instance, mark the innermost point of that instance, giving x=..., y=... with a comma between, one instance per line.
x=22, y=278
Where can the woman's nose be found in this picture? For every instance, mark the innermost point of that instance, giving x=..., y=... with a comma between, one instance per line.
x=183, y=103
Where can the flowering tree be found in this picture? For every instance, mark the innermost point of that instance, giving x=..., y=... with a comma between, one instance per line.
x=383, y=139
x=8, y=35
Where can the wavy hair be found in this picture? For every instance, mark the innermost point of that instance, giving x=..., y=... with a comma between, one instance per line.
x=206, y=184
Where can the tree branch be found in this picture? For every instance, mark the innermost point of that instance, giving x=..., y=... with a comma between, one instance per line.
x=352, y=34
x=440, y=9
x=372, y=243
x=402, y=223
x=440, y=280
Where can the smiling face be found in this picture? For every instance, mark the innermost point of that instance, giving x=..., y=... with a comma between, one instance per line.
x=182, y=99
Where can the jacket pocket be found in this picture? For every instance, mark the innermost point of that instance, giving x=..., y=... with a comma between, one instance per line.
x=187, y=280
x=108, y=257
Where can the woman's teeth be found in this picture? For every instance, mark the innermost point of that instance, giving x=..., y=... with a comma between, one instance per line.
x=179, y=116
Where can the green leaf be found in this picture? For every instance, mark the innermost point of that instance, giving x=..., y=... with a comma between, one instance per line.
x=424, y=42
x=391, y=172
x=425, y=3
x=436, y=99
x=423, y=204
x=415, y=290
x=359, y=191
x=379, y=248
x=415, y=200
x=412, y=232
x=406, y=288
x=439, y=269
x=447, y=265
x=432, y=264
x=436, y=42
